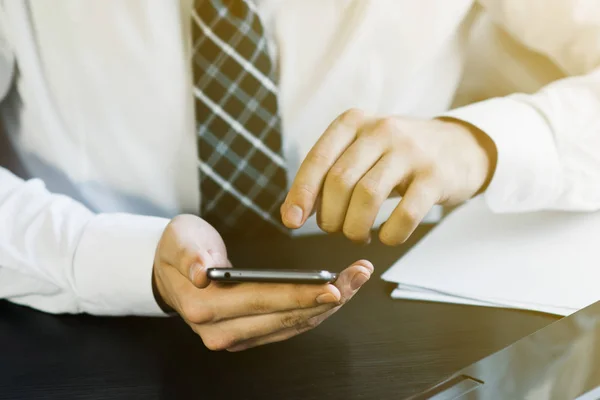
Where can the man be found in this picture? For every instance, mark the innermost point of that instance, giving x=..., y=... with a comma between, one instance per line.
x=130, y=106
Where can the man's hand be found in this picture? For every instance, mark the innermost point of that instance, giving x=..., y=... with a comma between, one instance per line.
x=360, y=161
x=239, y=316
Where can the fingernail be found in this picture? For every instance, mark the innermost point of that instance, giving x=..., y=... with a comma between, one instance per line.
x=294, y=215
x=366, y=264
x=194, y=271
x=326, y=298
x=358, y=280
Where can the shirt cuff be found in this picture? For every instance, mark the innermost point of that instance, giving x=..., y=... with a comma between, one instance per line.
x=113, y=265
x=528, y=175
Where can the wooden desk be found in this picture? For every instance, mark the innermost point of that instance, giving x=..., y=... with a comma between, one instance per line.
x=374, y=348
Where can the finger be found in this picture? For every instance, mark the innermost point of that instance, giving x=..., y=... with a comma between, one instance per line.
x=309, y=180
x=220, y=260
x=197, y=264
x=189, y=249
x=284, y=334
x=370, y=193
x=180, y=285
x=261, y=298
x=353, y=278
x=279, y=336
x=349, y=282
x=245, y=299
x=193, y=265
x=227, y=334
x=421, y=195
x=315, y=210
x=342, y=178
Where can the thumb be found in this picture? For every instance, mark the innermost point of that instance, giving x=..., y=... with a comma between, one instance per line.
x=199, y=264
x=353, y=278
x=285, y=210
x=192, y=246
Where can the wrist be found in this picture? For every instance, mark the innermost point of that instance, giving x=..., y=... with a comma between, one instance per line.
x=488, y=153
x=157, y=290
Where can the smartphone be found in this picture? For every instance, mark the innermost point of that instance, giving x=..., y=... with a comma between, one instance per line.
x=270, y=275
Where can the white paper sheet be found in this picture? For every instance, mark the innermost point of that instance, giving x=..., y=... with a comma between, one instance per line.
x=547, y=261
x=420, y=294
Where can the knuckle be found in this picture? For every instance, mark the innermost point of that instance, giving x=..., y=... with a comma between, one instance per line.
x=389, y=239
x=186, y=258
x=340, y=178
x=303, y=194
x=352, y=116
x=409, y=216
x=178, y=223
x=173, y=225
x=258, y=304
x=370, y=191
x=317, y=157
x=197, y=314
x=292, y=320
x=329, y=226
x=388, y=125
x=430, y=194
x=434, y=175
x=217, y=342
x=353, y=233
x=407, y=145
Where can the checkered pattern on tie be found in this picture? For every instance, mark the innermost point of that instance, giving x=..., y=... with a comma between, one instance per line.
x=242, y=171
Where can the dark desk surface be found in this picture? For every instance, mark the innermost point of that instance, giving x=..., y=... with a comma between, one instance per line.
x=374, y=348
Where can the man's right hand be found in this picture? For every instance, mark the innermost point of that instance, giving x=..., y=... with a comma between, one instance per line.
x=239, y=316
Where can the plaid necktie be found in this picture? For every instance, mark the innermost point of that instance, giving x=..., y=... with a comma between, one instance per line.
x=242, y=171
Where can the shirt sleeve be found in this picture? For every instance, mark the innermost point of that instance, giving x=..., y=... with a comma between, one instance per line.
x=59, y=257
x=548, y=142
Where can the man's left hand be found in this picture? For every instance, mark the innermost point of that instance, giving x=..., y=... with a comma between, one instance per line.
x=360, y=161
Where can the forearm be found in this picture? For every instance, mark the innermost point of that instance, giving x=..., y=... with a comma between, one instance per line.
x=59, y=257
x=548, y=146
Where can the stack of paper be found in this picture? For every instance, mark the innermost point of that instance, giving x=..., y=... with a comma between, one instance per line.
x=547, y=261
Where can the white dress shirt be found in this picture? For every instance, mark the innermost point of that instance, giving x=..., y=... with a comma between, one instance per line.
x=102, y=113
